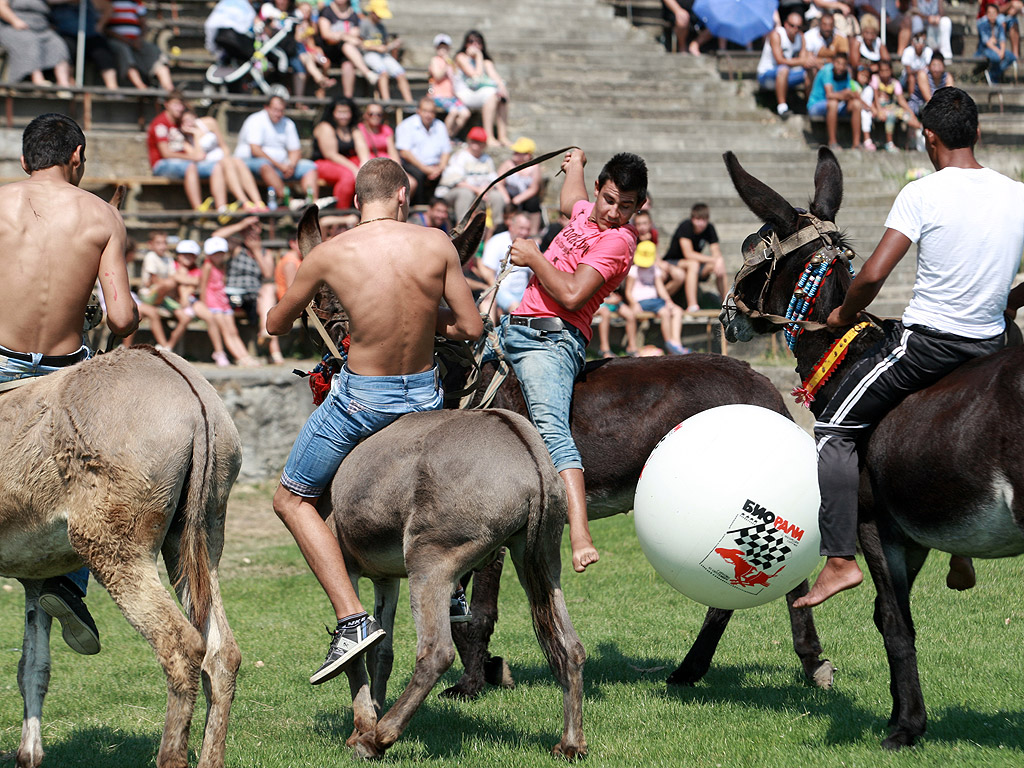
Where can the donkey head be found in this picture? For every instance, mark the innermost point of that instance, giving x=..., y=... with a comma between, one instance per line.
x=326, y=304
x=772, y=266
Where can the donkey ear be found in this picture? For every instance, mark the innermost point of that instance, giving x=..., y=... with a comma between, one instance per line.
x=309, y=230
x=467, y=241
x=767, y=204
x=828, y=186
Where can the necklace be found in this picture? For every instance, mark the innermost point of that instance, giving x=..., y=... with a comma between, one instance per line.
x=379, y=218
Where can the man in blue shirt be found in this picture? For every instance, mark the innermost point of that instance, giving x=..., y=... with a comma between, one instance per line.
x=831, y=95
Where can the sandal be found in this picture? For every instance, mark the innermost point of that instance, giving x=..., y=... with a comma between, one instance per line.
x=607, y=353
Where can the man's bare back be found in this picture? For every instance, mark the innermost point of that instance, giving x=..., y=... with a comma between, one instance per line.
x=390, y=277
x=54, y=240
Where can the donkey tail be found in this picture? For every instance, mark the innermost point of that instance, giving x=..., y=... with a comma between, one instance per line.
x=192, y=579
x=194, y=556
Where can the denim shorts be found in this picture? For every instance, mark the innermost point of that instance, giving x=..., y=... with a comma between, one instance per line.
x=767, y=79
x=302, y=167
x=820, y=108
x=12, y=369
x=547, y=364
x=382, y=62
x=171, y=167
x=356, y=407
x=652, y=305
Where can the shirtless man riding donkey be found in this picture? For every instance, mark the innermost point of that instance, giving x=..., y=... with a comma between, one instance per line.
x=55, y=241
x=391, y=277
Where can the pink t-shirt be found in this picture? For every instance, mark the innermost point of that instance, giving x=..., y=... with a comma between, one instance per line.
x=581, y=242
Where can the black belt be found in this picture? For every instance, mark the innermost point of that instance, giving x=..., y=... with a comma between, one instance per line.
x=538, y=323
x=52, y=361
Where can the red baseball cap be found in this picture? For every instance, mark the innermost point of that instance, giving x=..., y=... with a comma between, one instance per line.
x=477, y=134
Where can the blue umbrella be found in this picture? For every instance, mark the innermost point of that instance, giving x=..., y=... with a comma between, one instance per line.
x=737, y=20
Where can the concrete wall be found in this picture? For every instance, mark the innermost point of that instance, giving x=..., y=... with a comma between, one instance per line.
x=269, y=407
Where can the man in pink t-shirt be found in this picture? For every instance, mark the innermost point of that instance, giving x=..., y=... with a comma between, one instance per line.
x=546, y=338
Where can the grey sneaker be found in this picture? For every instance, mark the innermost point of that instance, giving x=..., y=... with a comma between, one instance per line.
x=78, y=629
x=346, y=644
x=459, y=610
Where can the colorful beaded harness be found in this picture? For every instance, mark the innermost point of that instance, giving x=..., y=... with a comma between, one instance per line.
x=805, y=294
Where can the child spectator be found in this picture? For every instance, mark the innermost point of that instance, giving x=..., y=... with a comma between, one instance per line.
x=188, y=276
x=866, y=97
x=523, y=187
x=890, y=104
x=645, y=292
x=832, y=95
x=378, y=51
x=442, y=86
x=310, y=54
x=137, y=57
x=687, y=251
x=204, y=135
x=992, y=46
x=915, y=59
x=211, y=289
x=929, y=81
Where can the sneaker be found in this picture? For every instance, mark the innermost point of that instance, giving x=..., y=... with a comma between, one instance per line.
x=988, y=77
x=890, y=147
x=347, y=642
x=459, y=611
x=64, y=603
x=221, y=360
x=869, y=145
x=783, y=110
x=372, y=78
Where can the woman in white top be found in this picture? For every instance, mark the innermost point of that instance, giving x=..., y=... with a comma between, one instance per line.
x=867, y=46
x=479, y=86
x=205, y=135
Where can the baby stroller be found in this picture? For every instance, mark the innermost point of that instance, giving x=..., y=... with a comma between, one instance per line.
x=258, y=53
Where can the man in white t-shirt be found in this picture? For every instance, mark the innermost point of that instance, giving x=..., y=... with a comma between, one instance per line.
x=968, y=222
x=269, y=143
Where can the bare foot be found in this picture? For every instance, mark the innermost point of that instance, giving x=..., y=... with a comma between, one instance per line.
x=839, y=573
x=961, y=573
x=584, y=554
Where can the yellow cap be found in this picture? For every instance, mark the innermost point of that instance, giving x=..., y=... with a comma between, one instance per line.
x=646, y=253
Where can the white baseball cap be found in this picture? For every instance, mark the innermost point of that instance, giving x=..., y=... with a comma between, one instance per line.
x=187, y=246
x=442, y=39
x=215, y=245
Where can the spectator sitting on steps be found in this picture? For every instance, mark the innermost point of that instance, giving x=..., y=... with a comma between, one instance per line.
x=467, y=175
x=269, y=143
x=378, y=51
x=783, y=61
x=833, y=95
x=423, y=144
x=687, y=251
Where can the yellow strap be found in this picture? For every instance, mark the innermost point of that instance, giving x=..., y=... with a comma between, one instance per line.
x=829, y=361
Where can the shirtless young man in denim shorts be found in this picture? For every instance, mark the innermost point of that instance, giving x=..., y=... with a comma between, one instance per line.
x=391, y=277
x=55, y=239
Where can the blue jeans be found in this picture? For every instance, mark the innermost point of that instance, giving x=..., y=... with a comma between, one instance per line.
x=12, y=369
x=767, y=79
x=547, y=364
x=356, y=407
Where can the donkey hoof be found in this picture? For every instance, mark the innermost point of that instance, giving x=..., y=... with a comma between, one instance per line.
x=899, y=740
x=365, y=748
x=824, y=675
x=498, y=673
x=684, y=677
x=569, y=751
x=460, y=692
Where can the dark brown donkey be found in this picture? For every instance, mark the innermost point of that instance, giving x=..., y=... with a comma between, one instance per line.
x=941, y=471
x=621, y=409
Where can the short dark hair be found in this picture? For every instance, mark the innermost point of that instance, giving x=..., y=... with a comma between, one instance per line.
x=438, y=201
x=937, y=56
x=378, y=179
x=700, y=211
x=628, y=172
x=842, y=55
x=50, y=140
x=952, y=115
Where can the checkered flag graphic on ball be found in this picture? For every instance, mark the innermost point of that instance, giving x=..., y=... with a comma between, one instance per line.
x=763, y=547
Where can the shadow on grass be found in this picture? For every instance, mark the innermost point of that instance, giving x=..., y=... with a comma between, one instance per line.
x=987, y=729
x=440, y=729
x=98, y=748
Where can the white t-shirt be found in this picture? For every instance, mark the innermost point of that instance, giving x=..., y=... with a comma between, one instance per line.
x=514, y=285
x=969, y=226
x=790, y=48
x=276, y=139
x=913, y=61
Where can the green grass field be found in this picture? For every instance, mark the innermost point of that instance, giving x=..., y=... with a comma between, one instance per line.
x=753, y=709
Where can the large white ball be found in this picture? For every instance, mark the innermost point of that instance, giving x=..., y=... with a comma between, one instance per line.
x=726, y=508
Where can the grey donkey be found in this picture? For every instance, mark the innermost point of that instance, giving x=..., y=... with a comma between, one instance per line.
x=422, y=500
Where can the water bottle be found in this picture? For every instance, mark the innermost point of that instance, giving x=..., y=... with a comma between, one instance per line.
x=287, y=197
x=271, y=199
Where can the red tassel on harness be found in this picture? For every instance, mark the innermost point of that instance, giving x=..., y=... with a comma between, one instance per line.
x=321, y=376
x=802, y=396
